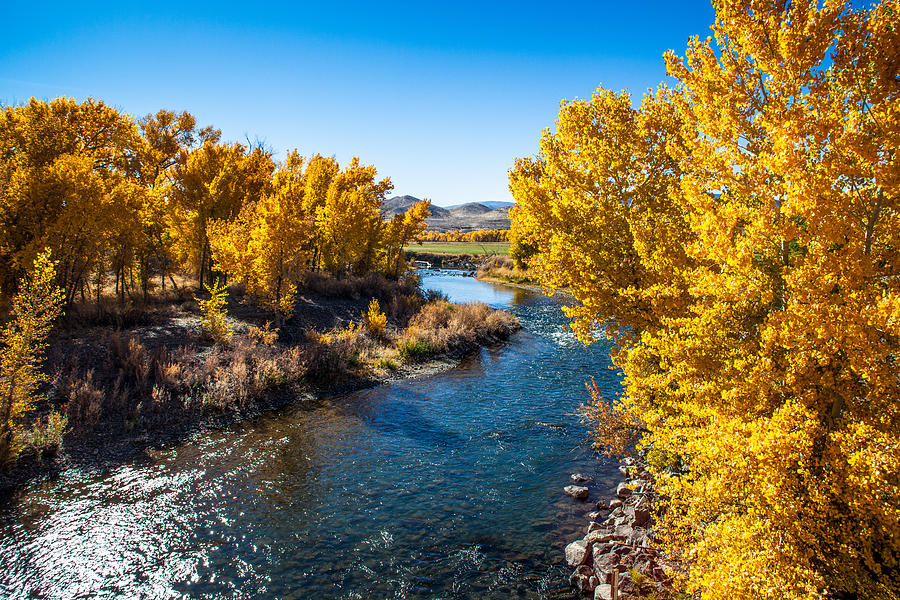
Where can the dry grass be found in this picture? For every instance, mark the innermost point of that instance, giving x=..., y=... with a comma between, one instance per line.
x=445, y=328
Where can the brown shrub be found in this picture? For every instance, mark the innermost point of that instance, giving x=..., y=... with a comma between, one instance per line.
x=454, y=328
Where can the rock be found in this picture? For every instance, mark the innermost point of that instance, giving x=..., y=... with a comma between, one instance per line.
x=598, y=536
x=622, y=490
x=614, y=504
x=604, y=563
x=579, y=477
x=593, y=582
x=593, y=526
x=593, y=516
x=623, y=470
x=578, y=553
x=641, y=517
x=581, y=579
x=628, y=461
x=603, y=592
x=576, y=491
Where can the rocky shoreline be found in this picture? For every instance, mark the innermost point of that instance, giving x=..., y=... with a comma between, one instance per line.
x=616, y=559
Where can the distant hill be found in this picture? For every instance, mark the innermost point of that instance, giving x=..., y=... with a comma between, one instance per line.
x=400, y=204
x=492, y=204
x=469, y=210
x=465, y=217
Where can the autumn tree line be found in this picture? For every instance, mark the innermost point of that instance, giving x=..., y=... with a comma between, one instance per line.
x=479, y=235
x=736, y=234
x=125, y=204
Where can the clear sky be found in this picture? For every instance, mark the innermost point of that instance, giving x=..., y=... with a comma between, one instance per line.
x=442, y=97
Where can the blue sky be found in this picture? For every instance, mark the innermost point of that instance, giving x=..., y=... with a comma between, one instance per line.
x=440, y=97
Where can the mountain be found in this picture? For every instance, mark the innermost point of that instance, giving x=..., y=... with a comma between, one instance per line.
x=492, y=204
x=400, y=204
x=469, y=210
x=465, y=217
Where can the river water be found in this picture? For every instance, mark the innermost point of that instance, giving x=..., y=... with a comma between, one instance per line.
x=443, y=486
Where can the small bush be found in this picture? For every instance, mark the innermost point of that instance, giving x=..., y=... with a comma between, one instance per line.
x=214, y=314
x=415, y=350
x=45, y=435
x=387, y=364
x=375, y=320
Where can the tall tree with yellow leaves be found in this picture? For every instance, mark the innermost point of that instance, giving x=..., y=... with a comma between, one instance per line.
x=215, y=182
x=400, y=231
x=349, y=223
x=69, y=180
x=271, y=242
x=754, y=287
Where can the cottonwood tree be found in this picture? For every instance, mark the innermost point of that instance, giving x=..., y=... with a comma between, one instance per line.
x=270, y=244
x=349, y=223
x=753, y=279
x=215, y=182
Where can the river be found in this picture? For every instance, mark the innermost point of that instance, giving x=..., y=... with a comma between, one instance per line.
x=444, y=486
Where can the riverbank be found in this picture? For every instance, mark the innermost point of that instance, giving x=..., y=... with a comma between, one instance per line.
x=128, y=378
x=502, y=269
x=618, y=558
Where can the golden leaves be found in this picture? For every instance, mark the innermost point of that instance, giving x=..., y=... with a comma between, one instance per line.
x=741, y=230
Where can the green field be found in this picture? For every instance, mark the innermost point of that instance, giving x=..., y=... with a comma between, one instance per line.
x=461, y=247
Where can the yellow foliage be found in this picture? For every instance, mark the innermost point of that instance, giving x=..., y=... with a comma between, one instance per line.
x=215, y=321
x=349, y=223
x=24, y=339
x=738, y=236
x=398, y=232
x=270, y=242
x=373, y=319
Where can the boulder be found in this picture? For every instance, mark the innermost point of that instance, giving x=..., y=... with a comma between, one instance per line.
x=580, y=477
x=593, y=526
x=641, y=517
x=576, y=491
x=603, y=592
x=581, y=579
x=578, y=553
x=599, y=536
x=623, y=490
x=614, y=504
x=604, y=562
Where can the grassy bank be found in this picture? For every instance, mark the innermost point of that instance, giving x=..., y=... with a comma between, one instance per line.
x=502, y=269
x=129, y=376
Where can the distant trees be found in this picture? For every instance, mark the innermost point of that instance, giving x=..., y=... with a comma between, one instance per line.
x=737, y=236
x=109, y=195
x=479, y=235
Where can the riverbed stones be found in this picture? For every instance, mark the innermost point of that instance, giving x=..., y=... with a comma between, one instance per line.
x=577, y=491
x=578, y=553
x=580, y=477
x=620, y=544
x=641, y=517
x=581, y=579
